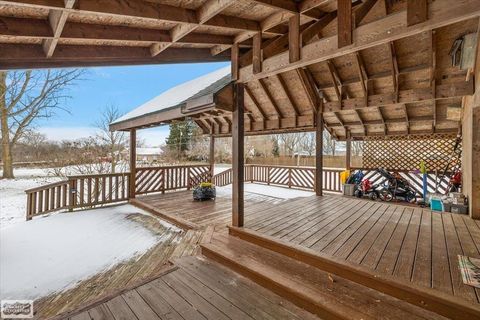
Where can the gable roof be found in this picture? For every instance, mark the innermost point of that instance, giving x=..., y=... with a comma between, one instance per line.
x=176, y=97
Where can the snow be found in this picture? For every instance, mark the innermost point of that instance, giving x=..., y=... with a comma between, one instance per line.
x=12, y=193
x=53, y=253
x=266, y=190
x=149, y=151
x=176, y=95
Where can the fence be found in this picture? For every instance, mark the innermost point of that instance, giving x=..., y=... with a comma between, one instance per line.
x=292, y=177
x=306, y=161
x=86, y=191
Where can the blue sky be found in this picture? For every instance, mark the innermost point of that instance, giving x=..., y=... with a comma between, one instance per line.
x=125, y=87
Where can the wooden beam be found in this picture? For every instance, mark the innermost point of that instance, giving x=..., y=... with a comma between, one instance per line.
x=344, y=23
x=394, y=67
x=348, y=151
x=417, y=11
x=444, y=91
x=38, y=30
x=290, y=98
x=294, y=41
x=270, y=98
x=333, y=77
x=255, y=103
x=309, y=87
x=266, y=25
x=237, y=155
x=141, y=10
x=57, y=20
x=362, y=11
x=206, y=12
x=433, y=68
x=133, y=164
x=257, y=52
x=385, y=129
x=24, y=56
x=234, y=62
x=384, y=30
x=316, y=28
x=319, y=150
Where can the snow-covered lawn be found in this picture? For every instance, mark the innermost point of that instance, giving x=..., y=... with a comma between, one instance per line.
x=50, y=254
x=12, y=193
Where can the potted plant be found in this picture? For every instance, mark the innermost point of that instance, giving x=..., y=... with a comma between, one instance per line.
x=204, y=191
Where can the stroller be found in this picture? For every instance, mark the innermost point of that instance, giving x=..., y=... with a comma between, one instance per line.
x=396, y=187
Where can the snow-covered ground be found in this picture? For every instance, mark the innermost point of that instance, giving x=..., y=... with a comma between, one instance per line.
x=54, y=253
x=12, y=193
x=51, y=254
x=266, y=190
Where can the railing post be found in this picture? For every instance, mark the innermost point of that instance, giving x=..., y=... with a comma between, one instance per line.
x=29, y=206
x=268, y=175
x=289, y=177
x=133, y=164
x=72, y=193
x=188, y=179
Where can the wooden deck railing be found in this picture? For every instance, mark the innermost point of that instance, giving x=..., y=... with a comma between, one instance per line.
x=48, y=198
x=292, y=177
x=85, y=191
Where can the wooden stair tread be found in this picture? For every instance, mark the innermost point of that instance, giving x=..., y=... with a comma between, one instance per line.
x=314, y=289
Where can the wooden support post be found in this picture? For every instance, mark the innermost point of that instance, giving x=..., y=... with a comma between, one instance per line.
x=319, y=150
x=344, y=21
x=257, y=53
x=234, y=61
x=294, y=41
x=238, y=172
x=133, y=163
x=417, y=11
x=211, y=157
x=348, y=151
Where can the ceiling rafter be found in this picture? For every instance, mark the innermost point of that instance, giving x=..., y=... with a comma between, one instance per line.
x=270, y=98
x=289, y=96
x=37, y=29
x=206, y=12
x=255, y=103
x=394, y=68
x=57, y=20
x=309, y=87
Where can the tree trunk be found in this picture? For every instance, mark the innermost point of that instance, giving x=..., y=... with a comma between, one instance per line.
x=6, y=146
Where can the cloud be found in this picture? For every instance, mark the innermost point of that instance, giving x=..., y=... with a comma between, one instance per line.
x=152, y=137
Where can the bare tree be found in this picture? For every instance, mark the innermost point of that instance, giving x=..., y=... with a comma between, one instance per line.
x=26, y=96
x=329, y=146
x=114, y=141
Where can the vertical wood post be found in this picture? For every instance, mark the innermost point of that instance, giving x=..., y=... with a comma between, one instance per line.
x=344, y=23
x=211, y=157
x=348, y=153
x=294, y=41
x=72, y=194
x=319, y=150
x=237, y=154
x=133, y=163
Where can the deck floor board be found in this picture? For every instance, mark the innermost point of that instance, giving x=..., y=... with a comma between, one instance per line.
x=411, y=244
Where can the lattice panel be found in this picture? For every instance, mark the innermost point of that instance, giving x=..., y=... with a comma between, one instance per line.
x=406, y=152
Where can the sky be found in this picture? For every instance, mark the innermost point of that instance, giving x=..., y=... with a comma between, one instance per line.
x=124, y=87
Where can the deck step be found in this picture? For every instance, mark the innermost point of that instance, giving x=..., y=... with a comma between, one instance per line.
x=320, y=292
x=426, y=298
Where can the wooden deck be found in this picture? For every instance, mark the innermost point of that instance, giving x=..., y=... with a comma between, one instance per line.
x=180, y=209
x=408, y=243
x=411, y=244
x=196, y=288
